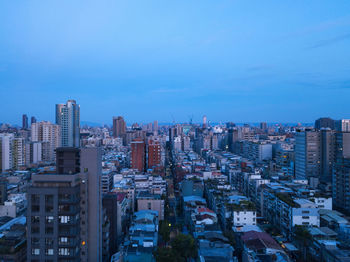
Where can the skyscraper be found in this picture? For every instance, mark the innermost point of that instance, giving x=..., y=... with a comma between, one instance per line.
x=64, y=216
x=32, y=120
x=6, y=151
x=307, y=154
x=205, y=121
x=137, y=160
x=49, y=134
x=343, y=125
x=68, y=118
x=154, y=154
x=155, y=126
x=24, y=121
x=119, y=126
x=341, y=173
x=263, y=126
x=324, y=122
x=327, y=146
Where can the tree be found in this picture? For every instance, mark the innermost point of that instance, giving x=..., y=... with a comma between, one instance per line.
x=185, y=246
x=164, y=230
x=303, y=236
x=165, y=254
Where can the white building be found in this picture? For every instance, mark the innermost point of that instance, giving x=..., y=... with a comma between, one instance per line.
x=49, y=134
x=6, y=151
x=323, y=203
x=244, y=218
x=68, y=118
x=305, y=217
x=177, y=143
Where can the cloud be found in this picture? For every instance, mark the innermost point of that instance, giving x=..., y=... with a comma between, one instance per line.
x=331, y=41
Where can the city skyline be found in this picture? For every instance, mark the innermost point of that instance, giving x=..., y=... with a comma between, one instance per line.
x=229, y=60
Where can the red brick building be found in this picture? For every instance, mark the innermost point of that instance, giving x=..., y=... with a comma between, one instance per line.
x=138, y=153
x=154, y=154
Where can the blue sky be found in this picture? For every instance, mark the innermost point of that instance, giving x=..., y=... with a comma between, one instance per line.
x=243, y=61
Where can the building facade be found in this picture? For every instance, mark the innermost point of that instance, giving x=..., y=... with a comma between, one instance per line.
x=68, y=118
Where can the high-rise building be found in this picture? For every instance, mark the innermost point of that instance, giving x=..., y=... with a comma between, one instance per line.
x=3, y=190
x=32, y=120
x=6, y=151
x=64, y=216
x=341, y=173
x=155, y=126
x=343, y=125
x=68, y=118
x=307, y=154
x=324, y=122
x=263, y=125
x=119, y=126
x=33, y=152
x=24, y=121
x=205, y=121
x=327, y=147
x=154, y=154
x=137, y=160
x=49, y=134
x=110, y=204
x=18, y=152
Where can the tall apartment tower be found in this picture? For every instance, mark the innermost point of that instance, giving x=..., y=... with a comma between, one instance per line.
x=155, y=126
x=24, y=121
x=342, y=125
x=263, y=125
x=64, y=216
x=154, y=154
x=68, y=118
x=32, y=120
x=205, y=122
x=307, y=154
x=119, y=126
x=49, y=134
x=341, y=173
x=327, y=140
x=137, y=160
x=6, y=151
x=324, y=122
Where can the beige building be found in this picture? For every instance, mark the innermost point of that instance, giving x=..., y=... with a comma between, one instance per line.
x=147, y=201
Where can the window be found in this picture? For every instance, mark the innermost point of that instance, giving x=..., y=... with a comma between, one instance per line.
x=63, y=208
x=36, y=251
x=35, y=208
x=49, y=208
x=48, y=199
x=49, y=219
x=305, y=217
x=35, y=241
x=63, y=240
x=48, y=230
x=35, y=219
x=48, y=241
x=35, y=230
x=63, y=251
x=49, y=251
x=149, y=205
x=35, y=198
x=64, y=219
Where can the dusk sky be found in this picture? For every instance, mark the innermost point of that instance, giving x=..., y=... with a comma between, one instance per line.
x=240, y=61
